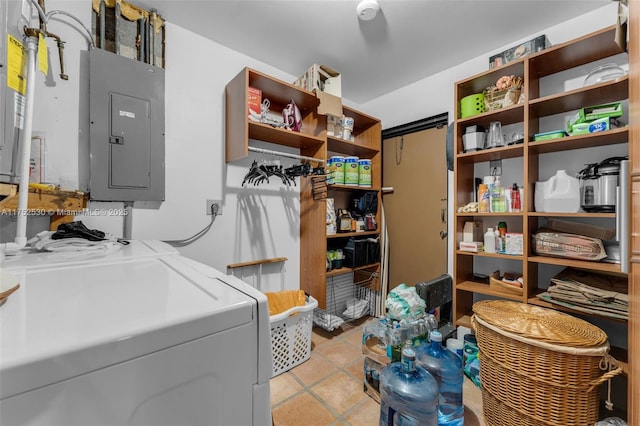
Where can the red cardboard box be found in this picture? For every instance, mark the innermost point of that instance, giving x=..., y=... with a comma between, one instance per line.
x=254, y=100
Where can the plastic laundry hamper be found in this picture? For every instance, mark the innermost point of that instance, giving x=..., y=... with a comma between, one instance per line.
x=539, y=367
x=291, y=336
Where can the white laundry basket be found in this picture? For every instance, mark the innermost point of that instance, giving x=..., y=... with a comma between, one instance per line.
x=291, y=336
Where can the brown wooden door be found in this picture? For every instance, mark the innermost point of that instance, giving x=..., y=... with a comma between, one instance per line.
x=415, y=166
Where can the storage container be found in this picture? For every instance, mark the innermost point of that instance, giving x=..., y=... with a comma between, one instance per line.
x=539, y=367
x=561, y=193
x=291, y=336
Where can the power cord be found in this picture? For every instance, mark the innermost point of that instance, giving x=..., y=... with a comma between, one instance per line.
x=215, y=208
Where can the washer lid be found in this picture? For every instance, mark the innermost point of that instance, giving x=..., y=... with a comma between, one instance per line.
x=70, y=319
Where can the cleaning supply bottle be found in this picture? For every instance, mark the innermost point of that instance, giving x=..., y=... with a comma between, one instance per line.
x=446, y=367
x=497, y=197
x=490, y=241
x=408, y=393
x=498, y=237
x=483, y=198
x=501, y=237
x=516, y=203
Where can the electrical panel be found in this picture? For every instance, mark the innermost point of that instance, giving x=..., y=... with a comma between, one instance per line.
x=127, y=129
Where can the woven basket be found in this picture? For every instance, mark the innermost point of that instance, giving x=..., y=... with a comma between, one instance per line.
x=530, y=375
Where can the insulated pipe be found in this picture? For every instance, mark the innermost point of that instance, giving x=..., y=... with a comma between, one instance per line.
x=25, y=144
x=102, y=24
x=127, y=230
x=152, y=29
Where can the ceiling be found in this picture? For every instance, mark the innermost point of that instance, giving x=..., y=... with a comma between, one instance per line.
x=406, y=41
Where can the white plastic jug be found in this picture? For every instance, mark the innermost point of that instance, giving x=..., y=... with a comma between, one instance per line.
x=560, y=194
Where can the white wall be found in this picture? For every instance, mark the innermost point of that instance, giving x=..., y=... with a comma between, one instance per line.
x=256, y=223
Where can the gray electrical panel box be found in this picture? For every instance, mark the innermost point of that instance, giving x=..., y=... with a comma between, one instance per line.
x=127, y=129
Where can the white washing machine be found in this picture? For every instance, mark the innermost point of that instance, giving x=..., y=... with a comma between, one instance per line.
x=142, y=336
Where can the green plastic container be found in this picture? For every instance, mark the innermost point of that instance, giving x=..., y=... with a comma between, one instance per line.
x=472, y=105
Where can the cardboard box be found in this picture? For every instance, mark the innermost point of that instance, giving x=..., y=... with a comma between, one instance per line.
x=321, y=78
x=254, y=100
x=588, y=114
x=516, y=52
x=514, y=243
x=473, y=247
x=554, y=134
x=600, y=125
x=472, y=231
x=371, y=373
x=329, y=104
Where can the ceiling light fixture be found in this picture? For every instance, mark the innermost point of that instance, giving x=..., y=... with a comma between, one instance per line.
x=367, y=9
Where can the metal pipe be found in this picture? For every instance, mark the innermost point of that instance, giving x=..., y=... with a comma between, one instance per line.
x=116, y=43
x=86, y=33
x=146, y=40
x=102, y=24
x=623, y=209
x=128, y=220
x=25, y=144
x=140, y=40
x=60, y=54
x=152, y=29
x=284, y=154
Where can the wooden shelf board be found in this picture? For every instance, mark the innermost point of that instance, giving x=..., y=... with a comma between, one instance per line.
x=361, y=120
x=574, y=53
x=281, y=92
x=54, y=202
x=610, y=137
x=480, y=81
x=350, y=148
x=580, y=264
x=266, y=133
x=337, y=187
x=508, y=115
x=340, y=271
x=352, y=234
x=496, y=255
x=608, y=91
x=464, y=320
x=577, y=215
x=485, y=289
x=490, y=214
x=509, y=151
x=539, y=302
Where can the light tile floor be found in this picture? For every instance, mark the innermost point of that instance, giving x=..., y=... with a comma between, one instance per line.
x=327, y=389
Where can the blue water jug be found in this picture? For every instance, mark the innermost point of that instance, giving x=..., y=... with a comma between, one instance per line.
x=447, y=369
x=408, y=393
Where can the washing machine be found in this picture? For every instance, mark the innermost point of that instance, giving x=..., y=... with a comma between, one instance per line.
x=142, y=336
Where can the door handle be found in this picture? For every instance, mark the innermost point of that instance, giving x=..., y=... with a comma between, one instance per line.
x=443, y=215
x=443, y=234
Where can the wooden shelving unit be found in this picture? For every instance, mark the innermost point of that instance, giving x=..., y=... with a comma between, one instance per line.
x=596, y=46
x=584, y=50
x=314, y=142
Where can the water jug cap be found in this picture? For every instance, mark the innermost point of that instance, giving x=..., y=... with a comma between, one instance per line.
x=436, y=336
x=489, y=229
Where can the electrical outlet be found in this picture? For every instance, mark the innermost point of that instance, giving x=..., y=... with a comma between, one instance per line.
x=495, y=167
x=211, y=203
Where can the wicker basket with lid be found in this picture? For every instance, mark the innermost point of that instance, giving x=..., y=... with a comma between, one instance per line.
x=539, y=367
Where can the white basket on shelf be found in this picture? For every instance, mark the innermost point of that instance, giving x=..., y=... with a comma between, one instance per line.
x=291, y=336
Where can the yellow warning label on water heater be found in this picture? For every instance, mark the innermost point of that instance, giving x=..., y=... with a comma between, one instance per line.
x=16, y=79
x=43, y=60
